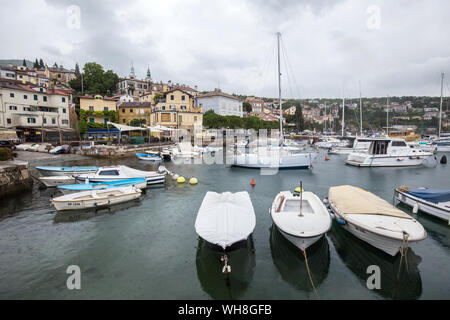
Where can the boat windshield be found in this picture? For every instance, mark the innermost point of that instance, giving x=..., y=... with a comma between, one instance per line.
x=379, y=147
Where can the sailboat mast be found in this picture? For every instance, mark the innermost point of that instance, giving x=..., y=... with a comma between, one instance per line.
x=326, y=116
x=440, y=107
x=360, y=109
x=343, y=114
x=279, y=85
x=387, y=116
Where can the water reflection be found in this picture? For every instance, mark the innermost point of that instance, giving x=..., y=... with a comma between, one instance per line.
x=225, y=286
x=79, y=215
x=290, y=262
x=437, y=229
x=400, y=277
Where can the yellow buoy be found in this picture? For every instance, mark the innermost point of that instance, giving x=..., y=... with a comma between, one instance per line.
x=181, y=180
x=298, y=189
x=193, y=181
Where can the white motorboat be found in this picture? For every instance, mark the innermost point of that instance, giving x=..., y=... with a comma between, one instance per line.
x=301, y=218
x=388, y=152
x=149, y=157
x=330, y=142
x=360, y=145
x=65, y=171
x=426, y=146
x=374, y=220
x=105, y=174
x=435, y=202
x=442, y=145
x=55, y=181
x=95, y=198
x=280, y=159
x=185, y=150
x=225, y=220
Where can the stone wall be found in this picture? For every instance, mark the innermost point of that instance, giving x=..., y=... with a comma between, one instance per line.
x=14, y=177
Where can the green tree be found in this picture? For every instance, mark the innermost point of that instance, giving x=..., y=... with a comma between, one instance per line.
x=24, y=63
x=137, y=122
x=299, y=121
x=82, y=126
x=77, y=71
x=96, y=80
x=247, y=107
x=36, y=64
x=41, y=64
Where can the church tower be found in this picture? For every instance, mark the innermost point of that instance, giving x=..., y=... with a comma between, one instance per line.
x=148, y=78
x=132, y=74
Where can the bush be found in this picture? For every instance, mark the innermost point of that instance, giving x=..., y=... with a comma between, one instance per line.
x=5, y=154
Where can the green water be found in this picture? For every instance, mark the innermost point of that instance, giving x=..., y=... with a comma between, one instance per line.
x=148, y=249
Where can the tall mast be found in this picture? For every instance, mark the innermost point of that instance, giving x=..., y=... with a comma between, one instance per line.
x=325, y=116
x=279, y=85
x=360, y=108
x=343, y=111
x=440, y=108
x=387, y=116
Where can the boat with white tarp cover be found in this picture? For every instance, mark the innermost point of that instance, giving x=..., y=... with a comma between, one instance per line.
x=374, y=220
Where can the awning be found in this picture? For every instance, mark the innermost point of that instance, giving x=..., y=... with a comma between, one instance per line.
x=122, y=127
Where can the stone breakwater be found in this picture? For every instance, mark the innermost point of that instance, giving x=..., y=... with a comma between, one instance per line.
x=14, y=177
x=104, y=151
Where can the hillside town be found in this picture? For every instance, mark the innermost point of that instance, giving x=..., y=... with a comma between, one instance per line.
x=47, y=103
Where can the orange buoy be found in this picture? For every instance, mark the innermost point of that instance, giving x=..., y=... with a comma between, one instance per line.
x=253, y=182
x=326, y=158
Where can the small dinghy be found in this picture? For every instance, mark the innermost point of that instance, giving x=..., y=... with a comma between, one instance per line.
x=123, y=173
x=149, y=157
x=435, y=202
x=374, y=220
x=56, y=181
x=95, y=198
x=300, y=217
x=64, y=171
x=225, y=221
x=140, y=183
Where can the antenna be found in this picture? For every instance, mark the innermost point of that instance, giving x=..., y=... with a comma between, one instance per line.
x=279, y=85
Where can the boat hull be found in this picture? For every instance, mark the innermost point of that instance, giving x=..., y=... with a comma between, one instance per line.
x=93, y=203
x=300, y=242
x=160, y=178
x=293, y=161
x=51, y=173
x=141, y=186
x=55, y=181
x=392, y=161
x=424, y=206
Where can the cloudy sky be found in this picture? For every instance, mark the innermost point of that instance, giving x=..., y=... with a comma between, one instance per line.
x=395, y=47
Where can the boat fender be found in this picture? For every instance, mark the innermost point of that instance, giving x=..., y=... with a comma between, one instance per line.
x=341, y=221
x=181, y=180
x=325, y=201
x=332, y=215
x=416, y=208
x=193, y=180
x=298, y=189
x=444, y=159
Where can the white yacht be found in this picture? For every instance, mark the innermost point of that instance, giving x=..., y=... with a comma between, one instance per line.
x=330, y=142
x=388, y=152
x=442, y=144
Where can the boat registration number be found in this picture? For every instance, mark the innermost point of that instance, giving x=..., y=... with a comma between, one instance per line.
x=75, y=204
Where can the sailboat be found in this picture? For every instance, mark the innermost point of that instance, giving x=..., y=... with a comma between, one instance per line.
x=269, y=157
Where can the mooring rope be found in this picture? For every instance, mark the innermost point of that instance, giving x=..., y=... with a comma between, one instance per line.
x=226, y=268
x=309, y=273
x=403, y=251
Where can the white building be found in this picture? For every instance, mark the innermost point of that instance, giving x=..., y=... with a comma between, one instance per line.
x=221, y=103
x=23, y=106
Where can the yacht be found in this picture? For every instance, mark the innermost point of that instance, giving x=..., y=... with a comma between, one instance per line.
x=388, y=152
x=359, y=145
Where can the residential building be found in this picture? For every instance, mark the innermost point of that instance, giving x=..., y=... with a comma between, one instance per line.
x=256, y=104
x=177, y=109
x=128, y=111
x=95, y=105
x=60, y=74
x=221, y=103
x=34, y=110
x=290, y=111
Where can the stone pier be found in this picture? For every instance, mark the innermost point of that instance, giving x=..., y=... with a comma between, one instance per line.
x=14, y=177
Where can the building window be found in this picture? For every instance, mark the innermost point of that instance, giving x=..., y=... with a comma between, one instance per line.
x=91, y=108
x=53, y=121
x=35, y=97
x=44, y=120
x=180, y=119
x=12, y=108
x=195, y=118
x=105, y=108
x=183, y=98
x=64, y=110
x=11, y=95
x=165, y=117
x=25, y=96
x=91, y=120
x=105, y=120
x=59, y=76
x=8, y=121
x=26, y=109
x=172, y=97
x=31, y=120
x=183, y=107
x=123, y=120
x=131, y=110
x=163, y=107
x=63, y=99
x=44, y=98
x=123, y=110
x=65, y=121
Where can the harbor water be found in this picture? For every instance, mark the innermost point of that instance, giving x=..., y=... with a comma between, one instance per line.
x=148, y=249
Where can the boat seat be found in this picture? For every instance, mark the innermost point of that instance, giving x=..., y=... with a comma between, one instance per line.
x=282, y=198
